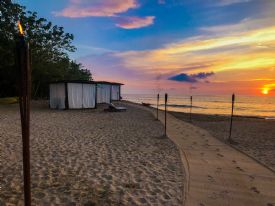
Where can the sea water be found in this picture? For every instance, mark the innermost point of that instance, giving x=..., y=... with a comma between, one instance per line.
x=256, y=106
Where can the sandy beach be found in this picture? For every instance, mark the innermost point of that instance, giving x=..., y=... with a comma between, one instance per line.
x=90, y=157
x=254, y=136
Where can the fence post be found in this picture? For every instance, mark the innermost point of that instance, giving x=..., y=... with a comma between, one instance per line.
x=231, y=120
x=165, y=117
x=191, y=104
x=158, y=107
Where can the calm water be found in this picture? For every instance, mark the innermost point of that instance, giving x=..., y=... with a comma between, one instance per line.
x=244, y=105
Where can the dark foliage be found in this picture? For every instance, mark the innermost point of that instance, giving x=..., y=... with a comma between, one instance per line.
x=49, y=50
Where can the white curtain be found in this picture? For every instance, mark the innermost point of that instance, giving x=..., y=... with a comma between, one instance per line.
x=115, y=92
x=57, y=96
x=75, y=95
x=89, y=95
x=103, y=93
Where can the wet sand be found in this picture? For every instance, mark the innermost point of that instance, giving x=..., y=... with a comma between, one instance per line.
x=90, y=157
x=253, y=136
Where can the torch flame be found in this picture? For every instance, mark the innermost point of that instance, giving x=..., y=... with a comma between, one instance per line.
x=20, y=28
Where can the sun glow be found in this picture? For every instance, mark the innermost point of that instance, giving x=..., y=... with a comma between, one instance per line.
x=267, y=88
x=265, y=91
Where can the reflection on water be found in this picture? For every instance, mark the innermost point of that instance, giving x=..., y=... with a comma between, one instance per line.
x=216, y=104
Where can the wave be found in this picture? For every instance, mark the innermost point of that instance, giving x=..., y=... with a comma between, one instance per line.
x=182, y=106
x=270, y=118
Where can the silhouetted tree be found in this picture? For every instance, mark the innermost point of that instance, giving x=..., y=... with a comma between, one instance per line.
x=49, y=50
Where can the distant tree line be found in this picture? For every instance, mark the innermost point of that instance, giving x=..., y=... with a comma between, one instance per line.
x=49, y=51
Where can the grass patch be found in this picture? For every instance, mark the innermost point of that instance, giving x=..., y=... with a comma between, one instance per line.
x=9, y=100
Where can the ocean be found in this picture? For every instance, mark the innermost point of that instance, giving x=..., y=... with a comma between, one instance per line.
x=256, y=106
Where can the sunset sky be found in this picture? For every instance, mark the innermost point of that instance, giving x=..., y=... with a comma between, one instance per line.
x=176, y=46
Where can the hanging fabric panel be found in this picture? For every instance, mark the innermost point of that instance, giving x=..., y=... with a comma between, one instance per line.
x=75, y=95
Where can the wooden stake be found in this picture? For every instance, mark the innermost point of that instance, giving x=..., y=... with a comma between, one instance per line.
x=231, y=120
x=191, y=104
x=165, y=117
x=158, y=107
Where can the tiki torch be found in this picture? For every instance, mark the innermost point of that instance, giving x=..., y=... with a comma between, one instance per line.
x=24, y=83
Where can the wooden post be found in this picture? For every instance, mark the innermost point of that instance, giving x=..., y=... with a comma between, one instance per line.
x=165, y=111
x=231, y=120
x=24, y=69
x=191, y=104
x=158, y=107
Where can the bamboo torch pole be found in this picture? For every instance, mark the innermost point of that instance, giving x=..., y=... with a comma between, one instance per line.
x=231, y=119
x=23, y=65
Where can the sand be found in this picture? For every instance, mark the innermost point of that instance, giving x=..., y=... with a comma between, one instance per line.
x=216, y=173
x=90, y=157
x=254, y=136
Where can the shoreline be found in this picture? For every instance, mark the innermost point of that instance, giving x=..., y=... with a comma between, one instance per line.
x=188, y=107
x=253, y=136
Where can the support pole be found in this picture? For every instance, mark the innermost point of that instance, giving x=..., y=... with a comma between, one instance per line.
x=165, y=113
x=158, y=107
x=191, y=105
x=24, y=69
x=231, y=119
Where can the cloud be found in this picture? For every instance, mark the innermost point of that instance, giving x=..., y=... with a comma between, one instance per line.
x=218, y=53
x=202, y=75
x=193, y=78
x=133, y=22
x=161, y=1
x=230, y=2
x=243, y=51
x=182, y=78
x=88, y=8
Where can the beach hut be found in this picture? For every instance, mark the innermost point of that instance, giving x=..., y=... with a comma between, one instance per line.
x=108, y=91
x=73, y=95
x=116, y=91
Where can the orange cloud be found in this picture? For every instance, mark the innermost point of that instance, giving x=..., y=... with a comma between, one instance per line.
x=133, y=22
x=86, y=8
x=240, y=51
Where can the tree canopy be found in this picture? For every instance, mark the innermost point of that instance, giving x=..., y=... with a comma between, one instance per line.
x=49, y=45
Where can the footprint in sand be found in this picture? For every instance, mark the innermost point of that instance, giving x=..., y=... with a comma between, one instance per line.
x=269, y=204
x=251, y=177
x=194, y=143
x=254, y=189
x=240, y=169
x=202, y=153
x=210, y=178
x=220, y=155
x=234, y=161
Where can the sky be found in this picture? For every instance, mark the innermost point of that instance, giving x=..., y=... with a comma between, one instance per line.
x=174, y=46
